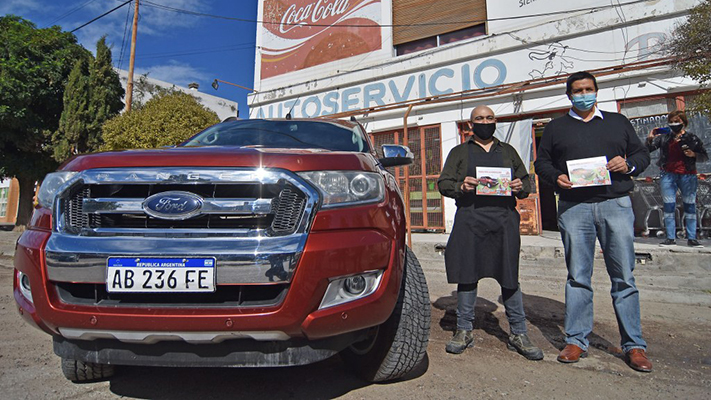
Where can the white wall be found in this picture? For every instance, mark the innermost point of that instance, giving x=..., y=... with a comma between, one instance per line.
x=222, y=107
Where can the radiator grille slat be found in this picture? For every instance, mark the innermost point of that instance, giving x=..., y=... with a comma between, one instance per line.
x=288, y=207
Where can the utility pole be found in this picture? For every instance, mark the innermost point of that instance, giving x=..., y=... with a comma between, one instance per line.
x=129, y=83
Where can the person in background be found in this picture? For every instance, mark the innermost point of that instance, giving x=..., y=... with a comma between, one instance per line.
x=603, y=212
x=680, y=150
x=485, y=240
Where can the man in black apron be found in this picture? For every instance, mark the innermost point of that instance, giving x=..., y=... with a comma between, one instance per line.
x=485, y=176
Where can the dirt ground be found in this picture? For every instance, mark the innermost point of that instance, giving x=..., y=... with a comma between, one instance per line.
x=676, y=322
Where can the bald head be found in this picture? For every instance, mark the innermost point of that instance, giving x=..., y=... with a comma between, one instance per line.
x=483, y=115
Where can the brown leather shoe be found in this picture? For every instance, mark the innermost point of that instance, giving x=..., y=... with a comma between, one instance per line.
x=638, y=361
x=571, y=354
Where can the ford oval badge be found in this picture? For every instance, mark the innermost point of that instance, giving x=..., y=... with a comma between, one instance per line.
x=175, y=205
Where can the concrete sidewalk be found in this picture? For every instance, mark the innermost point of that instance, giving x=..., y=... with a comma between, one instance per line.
x=549, y=246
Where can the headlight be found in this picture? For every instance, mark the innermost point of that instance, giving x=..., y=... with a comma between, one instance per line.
x=50, y=185
x=347, y=187
x=345, y=289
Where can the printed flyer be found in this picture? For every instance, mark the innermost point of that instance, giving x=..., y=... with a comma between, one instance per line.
x=493, y=181
x=589, y=172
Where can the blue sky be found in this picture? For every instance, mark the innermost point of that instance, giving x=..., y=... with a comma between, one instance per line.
x=174, y=47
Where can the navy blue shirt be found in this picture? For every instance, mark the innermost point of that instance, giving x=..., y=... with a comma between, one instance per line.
x=567, y=138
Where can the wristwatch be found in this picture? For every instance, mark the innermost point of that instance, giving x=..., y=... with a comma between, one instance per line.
x=630, y=168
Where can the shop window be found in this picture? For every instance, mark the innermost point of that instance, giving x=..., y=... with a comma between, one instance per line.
x=417, y=45
x=419, y=19
x=462, y=34
x=644, y=108
x=3, y=201
x=440, y=40
x=426, y=203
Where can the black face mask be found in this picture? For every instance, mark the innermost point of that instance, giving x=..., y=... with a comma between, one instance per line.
x=676, y=128
x=484, y=131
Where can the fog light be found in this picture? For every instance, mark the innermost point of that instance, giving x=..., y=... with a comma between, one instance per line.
x=25, y=286
x=349, y=288
x=355, y=285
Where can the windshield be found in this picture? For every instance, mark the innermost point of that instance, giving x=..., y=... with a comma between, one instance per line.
x=282, y=134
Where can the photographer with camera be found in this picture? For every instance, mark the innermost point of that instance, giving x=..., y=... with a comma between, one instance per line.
x=680, y=150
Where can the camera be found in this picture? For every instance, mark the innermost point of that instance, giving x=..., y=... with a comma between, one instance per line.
x=664, y=130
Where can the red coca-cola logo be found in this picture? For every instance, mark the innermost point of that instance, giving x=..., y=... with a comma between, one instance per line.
x=317, y=12
x=303, y=33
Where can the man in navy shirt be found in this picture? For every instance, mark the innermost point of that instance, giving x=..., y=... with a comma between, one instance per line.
x=600, y=208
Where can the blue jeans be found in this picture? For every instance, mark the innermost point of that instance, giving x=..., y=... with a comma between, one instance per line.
x=513, y=302
x=612, y=223
x=687, y=183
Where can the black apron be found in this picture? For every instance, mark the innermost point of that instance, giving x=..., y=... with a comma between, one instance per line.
x=485, y=239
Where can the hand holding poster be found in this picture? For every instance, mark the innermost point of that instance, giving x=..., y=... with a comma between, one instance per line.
x=591, y=171
x=493, y=181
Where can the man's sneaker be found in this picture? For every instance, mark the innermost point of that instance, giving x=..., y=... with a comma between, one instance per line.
x=694, y=243
x=461, y=341
x=522, y=344
x=668, y=242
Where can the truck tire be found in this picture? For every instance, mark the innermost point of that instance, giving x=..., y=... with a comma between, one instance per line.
x=80, y=371
x=400, y=344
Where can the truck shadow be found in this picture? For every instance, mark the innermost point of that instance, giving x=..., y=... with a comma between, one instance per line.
x=327, y=379
x=547, y=315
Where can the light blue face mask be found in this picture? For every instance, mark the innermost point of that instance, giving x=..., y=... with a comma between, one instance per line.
x=584, y=102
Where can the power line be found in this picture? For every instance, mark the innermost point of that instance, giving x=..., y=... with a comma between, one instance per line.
x=123, y=39
x=100, y=16
x=195, y=52
x=70, y=12
x=200, y=14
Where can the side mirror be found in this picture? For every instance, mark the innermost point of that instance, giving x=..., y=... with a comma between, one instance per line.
x=395, y=155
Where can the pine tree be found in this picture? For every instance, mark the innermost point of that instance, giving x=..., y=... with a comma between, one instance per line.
x=92, y=96
x=106, y=93
x=71, y=137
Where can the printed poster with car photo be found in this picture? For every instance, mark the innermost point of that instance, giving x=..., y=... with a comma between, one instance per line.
x=493, y=181
x=591, y=171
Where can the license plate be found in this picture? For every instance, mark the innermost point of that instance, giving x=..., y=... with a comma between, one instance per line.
x=139, y=274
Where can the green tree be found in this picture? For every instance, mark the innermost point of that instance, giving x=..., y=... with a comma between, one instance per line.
x=34, y=67
x=106, y=93
x=690, y=44
x=92, y=96
x=71, y=137
x=164, y=120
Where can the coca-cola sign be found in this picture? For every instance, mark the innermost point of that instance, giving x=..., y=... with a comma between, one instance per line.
x=298, y=34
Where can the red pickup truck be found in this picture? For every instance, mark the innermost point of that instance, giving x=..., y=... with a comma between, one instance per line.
x=255, y=243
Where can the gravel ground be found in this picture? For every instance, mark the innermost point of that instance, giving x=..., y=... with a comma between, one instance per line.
x=676, y=312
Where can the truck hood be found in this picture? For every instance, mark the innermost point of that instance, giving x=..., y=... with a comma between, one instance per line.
x=289, y=159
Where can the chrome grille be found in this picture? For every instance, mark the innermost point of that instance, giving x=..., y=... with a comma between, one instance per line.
x=275, y=207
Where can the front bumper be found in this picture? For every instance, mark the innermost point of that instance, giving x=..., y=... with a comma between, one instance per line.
x=233, y=353
x=327, y=254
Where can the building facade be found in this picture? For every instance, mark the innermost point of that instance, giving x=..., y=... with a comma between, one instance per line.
x=422, y=66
